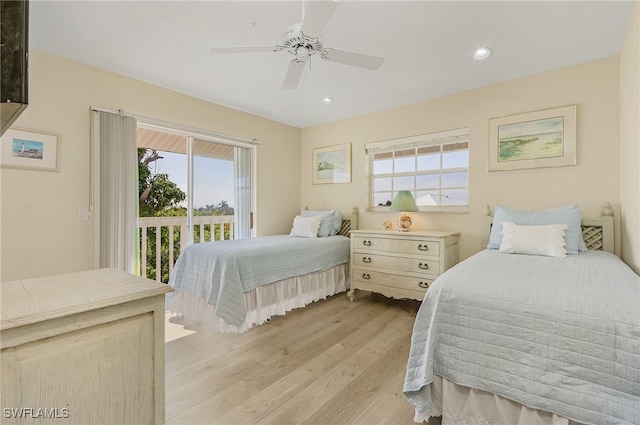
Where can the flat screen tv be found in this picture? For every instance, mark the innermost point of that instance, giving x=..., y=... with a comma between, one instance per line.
x=14, y=39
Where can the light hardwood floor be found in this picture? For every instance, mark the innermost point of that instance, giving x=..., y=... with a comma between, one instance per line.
x=332, y=362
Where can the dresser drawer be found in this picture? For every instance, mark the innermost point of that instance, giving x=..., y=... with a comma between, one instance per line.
x=398, y=264
x=392, y=280
x=397, y=246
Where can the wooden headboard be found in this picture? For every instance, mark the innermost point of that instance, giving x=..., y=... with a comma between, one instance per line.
x=349, y=222
x=597, y=233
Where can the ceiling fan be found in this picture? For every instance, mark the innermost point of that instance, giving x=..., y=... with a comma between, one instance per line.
x=303, y=40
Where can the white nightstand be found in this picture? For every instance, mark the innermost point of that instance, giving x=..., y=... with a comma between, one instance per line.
x=400, y=264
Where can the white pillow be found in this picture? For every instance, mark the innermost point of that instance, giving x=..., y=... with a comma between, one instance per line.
x=326, y=225
x=306, y=227
x=569, y=215
x=545, y=240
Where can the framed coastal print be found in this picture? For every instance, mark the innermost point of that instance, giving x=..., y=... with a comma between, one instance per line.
x=29, y=149
x=332, y=164
x=537, y=139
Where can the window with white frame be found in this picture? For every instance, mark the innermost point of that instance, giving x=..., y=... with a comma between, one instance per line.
x=434, y=167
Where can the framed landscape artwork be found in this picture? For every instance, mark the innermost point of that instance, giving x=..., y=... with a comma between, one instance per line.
x=29, y=149
x=332, y=164
x=537, y=139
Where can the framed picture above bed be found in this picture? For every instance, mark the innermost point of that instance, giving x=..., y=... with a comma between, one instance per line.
x=538, y=139
x=332, y=164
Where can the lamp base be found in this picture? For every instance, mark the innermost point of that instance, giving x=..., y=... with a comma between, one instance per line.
x=404, y=222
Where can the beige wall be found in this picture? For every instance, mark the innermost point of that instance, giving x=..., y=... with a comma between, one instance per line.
x=630, y=141
x=592, y=86
x=40, y=232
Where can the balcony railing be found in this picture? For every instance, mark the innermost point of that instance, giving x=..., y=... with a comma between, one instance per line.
x=172, y=240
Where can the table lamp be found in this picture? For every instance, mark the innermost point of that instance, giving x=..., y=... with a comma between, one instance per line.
x=405, y=203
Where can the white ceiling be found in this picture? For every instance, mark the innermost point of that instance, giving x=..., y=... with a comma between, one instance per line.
x=427, y=47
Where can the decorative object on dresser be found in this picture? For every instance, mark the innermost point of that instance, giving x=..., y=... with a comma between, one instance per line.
x=400, y=265
x=84, y=347
x=405, y=203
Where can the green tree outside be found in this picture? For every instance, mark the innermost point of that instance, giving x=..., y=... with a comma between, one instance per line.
x=160, y=197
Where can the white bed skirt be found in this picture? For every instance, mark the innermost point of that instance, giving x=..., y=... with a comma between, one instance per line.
x=459, y=405
x=262, y=303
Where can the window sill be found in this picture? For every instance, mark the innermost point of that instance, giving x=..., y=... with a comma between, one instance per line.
x=448, y=209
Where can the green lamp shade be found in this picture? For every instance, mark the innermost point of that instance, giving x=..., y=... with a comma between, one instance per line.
x=404, y=202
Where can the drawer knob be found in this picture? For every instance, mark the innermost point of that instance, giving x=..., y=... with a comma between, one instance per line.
x=423, y=284
x=422, y=247
x=423, y=266
x=366, y=243
x=367, y=276
x=366, y=259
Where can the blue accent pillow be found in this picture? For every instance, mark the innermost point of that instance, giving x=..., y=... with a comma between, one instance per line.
x=337, y=221
x=569, y=215
x=328, y=223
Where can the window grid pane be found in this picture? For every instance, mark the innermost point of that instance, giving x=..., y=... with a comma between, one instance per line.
x=437, y=175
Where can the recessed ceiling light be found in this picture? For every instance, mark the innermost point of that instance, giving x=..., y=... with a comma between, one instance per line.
x=327, y=101
x=482, y=53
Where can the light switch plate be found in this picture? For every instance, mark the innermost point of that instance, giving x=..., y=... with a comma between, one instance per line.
x=83, y=213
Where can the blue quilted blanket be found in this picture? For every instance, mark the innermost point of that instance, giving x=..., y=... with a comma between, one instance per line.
x=556, y=334
x=222, y=271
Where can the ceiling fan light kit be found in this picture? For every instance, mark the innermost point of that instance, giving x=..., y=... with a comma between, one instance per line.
x=296, y=41
x=302, y=46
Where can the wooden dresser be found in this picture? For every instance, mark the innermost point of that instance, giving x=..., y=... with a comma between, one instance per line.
x=400, y=264
x=84, y=348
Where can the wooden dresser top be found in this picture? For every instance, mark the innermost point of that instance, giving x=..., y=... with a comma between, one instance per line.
x=34, y=300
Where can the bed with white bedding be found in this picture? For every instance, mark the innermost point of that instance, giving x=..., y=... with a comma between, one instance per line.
x=506, y=337
x=241, y=283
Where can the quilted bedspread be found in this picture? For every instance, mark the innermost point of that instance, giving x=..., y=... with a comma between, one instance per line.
x=556, y=334
x=222, y=271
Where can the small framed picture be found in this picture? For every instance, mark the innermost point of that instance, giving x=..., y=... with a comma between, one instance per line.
x=332, y=164
x=537, y=139
x=29, y=149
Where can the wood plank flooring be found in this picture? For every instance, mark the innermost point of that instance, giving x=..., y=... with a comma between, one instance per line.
x=332, y=362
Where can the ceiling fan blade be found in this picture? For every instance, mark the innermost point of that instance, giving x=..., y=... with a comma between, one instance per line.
x=294, y=73
x=352, y=58
x=316, y=16
x=244, y=49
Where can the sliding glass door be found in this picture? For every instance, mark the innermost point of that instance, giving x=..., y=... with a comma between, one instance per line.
x=192, y=190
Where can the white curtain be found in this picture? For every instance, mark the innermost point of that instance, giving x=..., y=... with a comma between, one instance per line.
x=242, y=192
x=116, y=191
